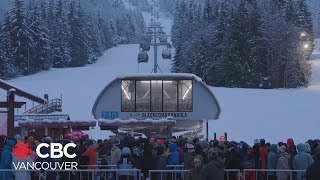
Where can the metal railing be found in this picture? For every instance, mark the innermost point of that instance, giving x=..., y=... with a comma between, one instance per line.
x=50, y=106
x=111, y=173
x=10, y=173
x=266, y=172
x=167, y=174
x=83, y=174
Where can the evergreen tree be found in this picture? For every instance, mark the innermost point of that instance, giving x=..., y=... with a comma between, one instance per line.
x=61, y=35
x=40, y=54
x=78, y=41
x=20, y=37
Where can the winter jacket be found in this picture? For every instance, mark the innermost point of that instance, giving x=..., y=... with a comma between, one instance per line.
x=313, y=171
x=283, y=164
x=272, y=159
x=115, y=155
x=6, y=161
x=91, y=153
x=194, y=173
x=25, y=175
x=173, y=158
x=263, y=156
x=214, y=170
x=302, y=160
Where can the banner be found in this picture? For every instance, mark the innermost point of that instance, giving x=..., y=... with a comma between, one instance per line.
x=3, y=122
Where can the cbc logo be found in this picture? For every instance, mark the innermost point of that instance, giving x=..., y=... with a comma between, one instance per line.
x=56, y=150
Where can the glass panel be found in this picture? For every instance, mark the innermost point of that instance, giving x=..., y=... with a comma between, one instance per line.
x=143, y=96
x=185, y=95
x=128, y=96
x=156, y=95
x=170, y=95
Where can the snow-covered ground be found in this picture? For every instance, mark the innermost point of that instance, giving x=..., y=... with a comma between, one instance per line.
x=247, y=114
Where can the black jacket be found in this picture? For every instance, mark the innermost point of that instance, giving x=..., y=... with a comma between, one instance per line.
x=214, y=170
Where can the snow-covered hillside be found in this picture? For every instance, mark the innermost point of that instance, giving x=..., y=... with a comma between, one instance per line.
x=247, y=114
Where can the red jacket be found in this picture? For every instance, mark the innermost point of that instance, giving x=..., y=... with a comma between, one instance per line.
x=91, y=152
x=263, y=157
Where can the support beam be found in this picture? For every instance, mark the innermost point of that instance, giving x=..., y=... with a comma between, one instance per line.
x=19, y=92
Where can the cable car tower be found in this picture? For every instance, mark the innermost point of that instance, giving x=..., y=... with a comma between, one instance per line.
x=155, y=36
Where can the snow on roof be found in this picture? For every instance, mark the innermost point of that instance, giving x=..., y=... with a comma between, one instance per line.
x=41, y=117
x=113, y=121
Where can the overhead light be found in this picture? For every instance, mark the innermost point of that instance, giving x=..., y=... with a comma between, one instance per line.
x=185, y=95
x=125, y=92
x=156, y=81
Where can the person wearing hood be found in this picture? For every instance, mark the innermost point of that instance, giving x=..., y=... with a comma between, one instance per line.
x=302, y=160
x=25, y=175
x=272, y=161
x=173, y=158
x=126, y=163
x=214, y=170
x=6, y=161
x=194, y=173
x=313, y=171
x=283, y=163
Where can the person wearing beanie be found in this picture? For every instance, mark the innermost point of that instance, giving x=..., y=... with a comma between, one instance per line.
x=283, y=163
x=194, y=173
x=126, y=163
x=18, y=138
x=290, y=142
x=313, y=172
x=214, y=170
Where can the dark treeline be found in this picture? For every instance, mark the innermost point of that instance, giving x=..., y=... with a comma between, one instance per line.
x=37, y=35
x=244, y=43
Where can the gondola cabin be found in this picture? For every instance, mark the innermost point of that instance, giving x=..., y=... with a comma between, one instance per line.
x=161, y=103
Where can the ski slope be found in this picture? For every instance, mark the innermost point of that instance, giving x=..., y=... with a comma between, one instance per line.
x=247, y=114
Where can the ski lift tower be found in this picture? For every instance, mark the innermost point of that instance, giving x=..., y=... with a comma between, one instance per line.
x=155, y=31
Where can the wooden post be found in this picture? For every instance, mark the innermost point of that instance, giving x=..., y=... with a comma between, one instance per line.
x=10, y=105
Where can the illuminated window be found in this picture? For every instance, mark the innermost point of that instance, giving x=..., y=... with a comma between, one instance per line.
x=170, y=96
x=142, y=96
x=156, y=95
x=128, y=95
x=185, y=95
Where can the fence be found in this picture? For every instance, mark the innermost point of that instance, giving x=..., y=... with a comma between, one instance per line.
x=292, y=174
x=80, y=174
x=109, y=172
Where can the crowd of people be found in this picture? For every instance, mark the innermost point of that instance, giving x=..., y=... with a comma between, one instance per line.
x=204, y=160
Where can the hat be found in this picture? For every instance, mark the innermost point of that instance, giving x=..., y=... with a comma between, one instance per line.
x=48, y=138
x=282, y=149
x=190, y=148
x=213, y=152
x=189, y=140
x=160, y=142
x=199, y=157
x=17, y=137
x=116, y=142
x=126, y=151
